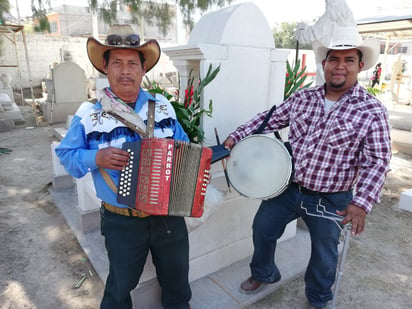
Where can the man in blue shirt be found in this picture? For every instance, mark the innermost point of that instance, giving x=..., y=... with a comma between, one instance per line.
x=93, y=144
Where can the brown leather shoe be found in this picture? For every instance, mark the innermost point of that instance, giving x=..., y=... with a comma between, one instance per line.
x=251, y=286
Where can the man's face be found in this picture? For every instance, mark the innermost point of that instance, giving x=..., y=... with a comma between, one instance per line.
x=341, y=69
x=125, y=73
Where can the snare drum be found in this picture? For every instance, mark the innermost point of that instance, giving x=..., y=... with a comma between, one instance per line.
x=259, y=167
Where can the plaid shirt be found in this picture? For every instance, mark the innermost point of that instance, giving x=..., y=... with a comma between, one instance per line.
x=347, y=148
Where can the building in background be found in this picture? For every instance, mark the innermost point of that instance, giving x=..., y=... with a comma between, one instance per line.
x=70, y=20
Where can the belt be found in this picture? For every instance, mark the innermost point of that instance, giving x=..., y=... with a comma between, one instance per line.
x=128, y=212
x=304, y=190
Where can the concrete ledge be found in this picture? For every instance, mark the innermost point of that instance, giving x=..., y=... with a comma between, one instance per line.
x=61, y=182
x=59, y=133
x=401, y=120
x=401, y=141
x=221, y=289
x=405, y=202
x=6, y=125
x=58, y=112
x=88, y=220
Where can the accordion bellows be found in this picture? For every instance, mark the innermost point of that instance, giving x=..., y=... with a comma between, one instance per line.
x=165, y=177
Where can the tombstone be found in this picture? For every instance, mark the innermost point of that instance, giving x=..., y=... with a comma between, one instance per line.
x=251, y=79
x=66, y=90
x=97, y=83
x=6, y=86
x=10, y=113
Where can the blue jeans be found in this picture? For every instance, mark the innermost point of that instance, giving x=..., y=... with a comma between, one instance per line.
x=128, y=241
x=270, y=222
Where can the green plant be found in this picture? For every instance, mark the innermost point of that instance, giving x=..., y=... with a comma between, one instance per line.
x=189, y=111
x=295, y=79
x=374, y=91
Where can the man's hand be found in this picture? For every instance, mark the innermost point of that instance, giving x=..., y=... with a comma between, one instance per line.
x=356, y=215
x=229, y=143
x=112, y=158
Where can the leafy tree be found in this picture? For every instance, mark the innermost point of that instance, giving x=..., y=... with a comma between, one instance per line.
x=4, y=7
x=39, y=9
x=284, y=36
x=154, y=11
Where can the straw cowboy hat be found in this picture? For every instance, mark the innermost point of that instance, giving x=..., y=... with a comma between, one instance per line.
x=349, y=38
x=122, y=37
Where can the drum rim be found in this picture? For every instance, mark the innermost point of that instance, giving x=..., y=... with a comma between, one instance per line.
x=288, y=178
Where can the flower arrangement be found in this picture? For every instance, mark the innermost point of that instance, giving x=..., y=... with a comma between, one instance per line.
x=189, y=111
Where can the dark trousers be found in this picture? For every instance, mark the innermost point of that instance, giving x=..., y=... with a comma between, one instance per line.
x=270, y=222
x=128, y=241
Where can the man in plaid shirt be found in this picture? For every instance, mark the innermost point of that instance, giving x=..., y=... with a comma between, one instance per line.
x=340, y=139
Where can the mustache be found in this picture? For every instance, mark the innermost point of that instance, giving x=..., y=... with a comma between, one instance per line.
x=126, y=78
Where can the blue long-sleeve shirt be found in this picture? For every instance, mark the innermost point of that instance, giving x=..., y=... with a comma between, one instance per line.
x=92, y=129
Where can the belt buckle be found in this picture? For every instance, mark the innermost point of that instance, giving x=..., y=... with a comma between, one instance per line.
x=137, y=213
x=308, y=191
x=302, y=189
x=299, y=187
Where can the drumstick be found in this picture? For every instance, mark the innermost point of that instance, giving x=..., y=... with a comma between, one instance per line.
x=223, y=162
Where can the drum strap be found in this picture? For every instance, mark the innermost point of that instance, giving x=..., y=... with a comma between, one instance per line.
x=277, y=135
x=265, y=122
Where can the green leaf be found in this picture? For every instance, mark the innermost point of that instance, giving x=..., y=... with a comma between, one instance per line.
x=295, y=79
x=189, y=115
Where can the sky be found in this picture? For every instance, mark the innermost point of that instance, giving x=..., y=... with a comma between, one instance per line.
x=276, y=11
x=308, y=10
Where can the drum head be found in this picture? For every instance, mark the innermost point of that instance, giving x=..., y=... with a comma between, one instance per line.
x=259, y=167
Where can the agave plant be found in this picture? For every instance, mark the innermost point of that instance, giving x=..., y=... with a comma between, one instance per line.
x=295, y=79
x=374, y=91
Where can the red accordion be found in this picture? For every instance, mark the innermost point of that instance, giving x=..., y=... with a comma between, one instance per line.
x=165, y=177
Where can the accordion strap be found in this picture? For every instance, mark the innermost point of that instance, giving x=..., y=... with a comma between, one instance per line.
x=108, y=179
x=150, y=119
x=113, y=187
x=150, y=132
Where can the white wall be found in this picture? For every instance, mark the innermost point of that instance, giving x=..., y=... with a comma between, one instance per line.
x=44, y=50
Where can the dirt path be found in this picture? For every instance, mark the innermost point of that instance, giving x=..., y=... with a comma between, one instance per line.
x=40, y=258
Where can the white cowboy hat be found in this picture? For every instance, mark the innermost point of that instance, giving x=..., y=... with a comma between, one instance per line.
x=349, y=38
x=122, y=37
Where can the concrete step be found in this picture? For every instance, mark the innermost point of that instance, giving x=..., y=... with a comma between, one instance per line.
x=401, y=120
x=401, y=141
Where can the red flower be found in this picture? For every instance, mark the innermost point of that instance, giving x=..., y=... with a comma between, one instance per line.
x=188, y=97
